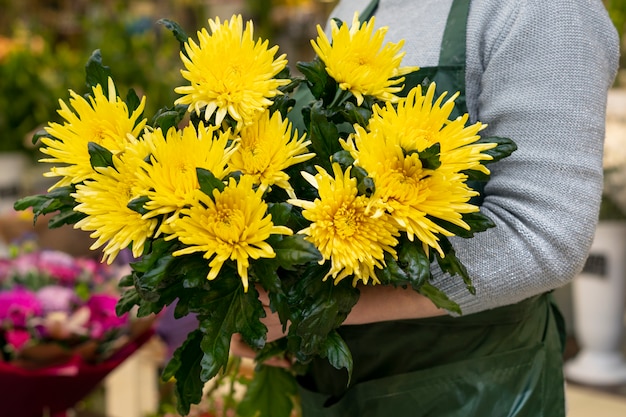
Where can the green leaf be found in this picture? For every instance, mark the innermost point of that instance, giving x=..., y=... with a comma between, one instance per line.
x=392, y=274
x=58, y=199
x=505, y=147
x=41, y=133
x=167, y=118
x=155, y=250
x=185, y=367
x=430, y=156
x=295, y=250
x=323, y=134
x=475, y=175
x=322, y=86
x=148, y=283
x=138, y=204
x=271, y=393
x=132, y=102
x=338, y=353
x=365, y=184
x=356, y=114
x=318, y=307
x=439, y=298
x=97, y=73
x=477, y=221
x=281, y=212
x=452, y=265
x=414, y=262
x=99, y=156
x=225, y=310
x=127, y=301
x=66, y=216
x=209, y=182
x=177, y=31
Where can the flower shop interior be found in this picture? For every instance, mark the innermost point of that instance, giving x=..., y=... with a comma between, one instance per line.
x=44, y=46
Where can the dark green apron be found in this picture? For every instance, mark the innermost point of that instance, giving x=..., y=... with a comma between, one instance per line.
x=505, y=362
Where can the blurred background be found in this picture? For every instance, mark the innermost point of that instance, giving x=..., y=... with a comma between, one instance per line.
x=44, y=46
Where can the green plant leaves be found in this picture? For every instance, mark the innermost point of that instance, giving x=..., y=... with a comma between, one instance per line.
x=97, y=72
x=177, y=31
x=185, y=367
x=270, y=394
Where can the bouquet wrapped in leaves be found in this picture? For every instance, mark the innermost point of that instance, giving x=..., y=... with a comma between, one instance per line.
x=219, y=195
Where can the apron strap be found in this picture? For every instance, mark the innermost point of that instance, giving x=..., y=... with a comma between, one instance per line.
x=453, y=44
x=369, y=11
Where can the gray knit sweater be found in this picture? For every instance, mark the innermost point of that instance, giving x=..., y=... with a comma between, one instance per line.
x=538, y=72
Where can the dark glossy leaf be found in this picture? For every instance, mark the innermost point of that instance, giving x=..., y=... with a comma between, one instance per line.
x=185, y=367
x=414, y=262
x=356, y=114
x=505, y=147
x=270, y=394
x=168, y=118
x=57, y=199
x=99, y=156
x=320, y=307
x=439, y=298
x=128, y=300
x=452, y=265
x=155, y=250
x=430, y=156
x=41, y=133
x=295, y=250
x=149, y=282
x=392, y=274
x=324, y=135
x=177, y=31
x=317, y=78
x=474, y=175
x=209, y=182
x=138, y=204
x=132, y=102
x=281, y=213
x=225, y=310
x=365, y=184
x=478, y=222
x=66, y=216
x=97, y=73
x=338, y=353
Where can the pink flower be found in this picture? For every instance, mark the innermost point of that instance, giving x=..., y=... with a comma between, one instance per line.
x=17, y=338
x=103, y=317
x=57, y=298
x=59, y=265
x=18, y=305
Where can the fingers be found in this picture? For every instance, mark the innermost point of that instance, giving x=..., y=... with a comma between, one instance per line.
x=239, y=348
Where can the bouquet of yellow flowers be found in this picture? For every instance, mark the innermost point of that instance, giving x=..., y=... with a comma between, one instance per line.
x=308, y=187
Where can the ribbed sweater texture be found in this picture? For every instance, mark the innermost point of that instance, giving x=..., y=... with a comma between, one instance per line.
x=538, y=72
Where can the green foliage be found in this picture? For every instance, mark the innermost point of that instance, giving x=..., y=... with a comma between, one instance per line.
x=270, y=394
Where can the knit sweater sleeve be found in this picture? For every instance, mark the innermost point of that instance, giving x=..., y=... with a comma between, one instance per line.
x=538, y=72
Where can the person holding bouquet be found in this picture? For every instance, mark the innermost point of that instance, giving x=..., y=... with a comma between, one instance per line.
x=536, y=72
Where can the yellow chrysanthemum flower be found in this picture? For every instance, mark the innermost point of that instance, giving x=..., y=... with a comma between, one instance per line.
x=419, y=121
x=232, y=224
x=268, y=147
x=102, y=120
x=387, y=150
x=347, y=228
x=358, y=61
x=230, y=73
x=105, y=198
x=170, y=177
